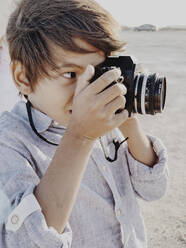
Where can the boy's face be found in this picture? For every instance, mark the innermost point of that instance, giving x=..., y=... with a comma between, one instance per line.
x=54, y=97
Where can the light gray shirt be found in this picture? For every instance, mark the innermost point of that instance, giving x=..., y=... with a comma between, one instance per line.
x=105, y=213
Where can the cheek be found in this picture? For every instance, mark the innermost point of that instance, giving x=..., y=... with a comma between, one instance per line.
x=69, y=93
x=58, y=94
x=64, y=95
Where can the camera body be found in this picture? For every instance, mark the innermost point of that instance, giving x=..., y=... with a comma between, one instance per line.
x=146, y=93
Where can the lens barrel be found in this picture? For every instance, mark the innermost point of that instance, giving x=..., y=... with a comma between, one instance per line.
x=149, y=93
x=146, y=93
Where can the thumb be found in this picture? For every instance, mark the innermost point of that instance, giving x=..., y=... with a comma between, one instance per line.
x=84, y=78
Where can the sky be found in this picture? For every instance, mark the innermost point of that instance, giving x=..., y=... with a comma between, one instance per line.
x=128, y=12
x=156, y=12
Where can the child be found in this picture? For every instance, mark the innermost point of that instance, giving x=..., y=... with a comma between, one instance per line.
x=53, y=149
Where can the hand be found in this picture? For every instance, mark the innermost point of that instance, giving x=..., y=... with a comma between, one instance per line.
x=93, y=109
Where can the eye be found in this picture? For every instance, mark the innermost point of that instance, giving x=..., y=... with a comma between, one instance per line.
x=69, y=74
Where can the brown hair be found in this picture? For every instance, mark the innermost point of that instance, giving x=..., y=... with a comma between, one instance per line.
x=35, y=24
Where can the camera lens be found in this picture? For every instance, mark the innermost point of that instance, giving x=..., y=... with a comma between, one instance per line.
x=149, y=93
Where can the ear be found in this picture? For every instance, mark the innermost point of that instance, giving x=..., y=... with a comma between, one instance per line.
x=19, y=77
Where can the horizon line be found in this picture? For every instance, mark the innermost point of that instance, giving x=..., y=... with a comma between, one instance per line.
x=156, y=25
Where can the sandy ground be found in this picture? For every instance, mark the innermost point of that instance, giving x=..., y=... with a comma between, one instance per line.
x=165, y=52
x=162, y=52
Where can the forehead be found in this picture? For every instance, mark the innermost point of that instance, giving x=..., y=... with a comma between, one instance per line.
x=93, y=56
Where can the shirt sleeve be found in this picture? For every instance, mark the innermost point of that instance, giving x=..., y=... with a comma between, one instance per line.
x=26, y=225
x=150, y=183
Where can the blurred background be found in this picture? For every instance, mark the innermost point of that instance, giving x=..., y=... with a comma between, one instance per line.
x=159, y=46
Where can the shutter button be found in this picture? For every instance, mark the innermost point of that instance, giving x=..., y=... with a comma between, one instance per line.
x=14, y=219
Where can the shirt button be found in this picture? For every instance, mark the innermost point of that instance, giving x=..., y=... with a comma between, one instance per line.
x=104, y=167
x=14, y=219
x=118, y=212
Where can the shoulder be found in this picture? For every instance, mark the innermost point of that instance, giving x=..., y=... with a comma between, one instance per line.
x=15, y=117
x=13, y=124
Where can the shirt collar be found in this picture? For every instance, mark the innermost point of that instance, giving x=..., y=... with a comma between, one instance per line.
x=42, y=122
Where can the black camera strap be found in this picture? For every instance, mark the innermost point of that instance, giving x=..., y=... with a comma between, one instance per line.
x=117, y=144
x=28, y=106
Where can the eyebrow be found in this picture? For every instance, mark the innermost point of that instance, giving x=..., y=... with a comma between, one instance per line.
x=70, y=65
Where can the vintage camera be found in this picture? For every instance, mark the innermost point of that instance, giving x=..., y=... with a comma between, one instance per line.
x=146, y=93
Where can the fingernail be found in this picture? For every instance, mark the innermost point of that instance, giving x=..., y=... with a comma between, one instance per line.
x=89, y=69
x=126, y=112
x=119, y=71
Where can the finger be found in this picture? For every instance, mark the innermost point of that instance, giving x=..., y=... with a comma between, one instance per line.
x=117, y=103
x=107, y=78
x=111, y=93
x=117, y=120
x=83, y=80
